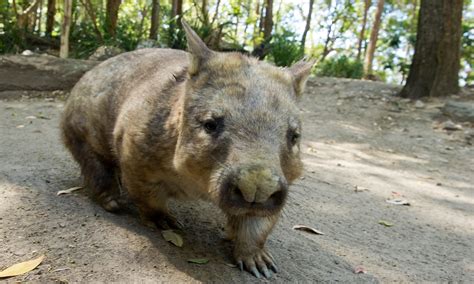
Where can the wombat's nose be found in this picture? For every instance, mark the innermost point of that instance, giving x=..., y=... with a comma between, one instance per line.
x=259, y=185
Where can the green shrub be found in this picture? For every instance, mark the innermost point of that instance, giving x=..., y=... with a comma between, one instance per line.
x=285, y=48
x=342, y=67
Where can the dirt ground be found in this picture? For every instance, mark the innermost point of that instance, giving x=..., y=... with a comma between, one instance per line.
x=361, y=147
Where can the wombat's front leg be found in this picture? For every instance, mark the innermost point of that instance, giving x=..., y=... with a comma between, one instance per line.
x=151, y=200
x=249, y=235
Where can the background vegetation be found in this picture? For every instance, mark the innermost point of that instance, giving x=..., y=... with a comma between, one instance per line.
x=349, y=38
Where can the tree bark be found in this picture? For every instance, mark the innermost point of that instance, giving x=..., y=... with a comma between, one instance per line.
x=261, y=50
x=205, y=13
x=65, y=28
x=51, y=12
x=268, y=24
x=111, y=16
x=176, y=15
x=367, y=4
x=91, y=13
x=308, y=24
x=216, y=13
x=23, y=20
x=436, y=62
x=374, y=35
x=155, y=19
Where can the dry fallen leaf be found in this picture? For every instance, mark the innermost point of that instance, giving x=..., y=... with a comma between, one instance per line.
x=398, y=202
x=307, y=229
x=359, y=269
x=385, y=223
x=69, y=190
x=358, y=188
x=198, y=260
x=21, y=268
x=172, y=237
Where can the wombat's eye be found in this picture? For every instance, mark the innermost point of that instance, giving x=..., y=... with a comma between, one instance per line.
x=211, y=126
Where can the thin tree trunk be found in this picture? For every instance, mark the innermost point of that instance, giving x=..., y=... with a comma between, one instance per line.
x=111, y=17
x=367, y=4
x=374, y=35
x=434, y=71
x=91, y=13
x=40, y=16
x=308, y=24
x=176, y=15
x=205, y=13
x=51, y=12
x=65, y=28
x=216, y=13
x=262, y=49
x=23, y=18
x=155, y=19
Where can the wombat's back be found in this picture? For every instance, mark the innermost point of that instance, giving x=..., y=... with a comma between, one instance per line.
x=128, y=80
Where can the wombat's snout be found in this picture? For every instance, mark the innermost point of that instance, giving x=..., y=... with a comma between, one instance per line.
x=256, y=188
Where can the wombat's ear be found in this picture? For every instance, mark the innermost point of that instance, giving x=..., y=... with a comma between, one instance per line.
x=198, y=49
x=300, y=72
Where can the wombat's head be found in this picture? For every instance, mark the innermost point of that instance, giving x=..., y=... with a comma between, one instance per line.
x=240, y=133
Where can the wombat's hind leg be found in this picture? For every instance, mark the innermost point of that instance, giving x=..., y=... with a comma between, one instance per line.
x=98, y=173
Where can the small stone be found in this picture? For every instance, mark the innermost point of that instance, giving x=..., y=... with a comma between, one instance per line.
x=27, y=53
x=419, y=104
x=449, y=125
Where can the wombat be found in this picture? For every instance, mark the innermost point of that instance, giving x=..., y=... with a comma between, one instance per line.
x=165, y=123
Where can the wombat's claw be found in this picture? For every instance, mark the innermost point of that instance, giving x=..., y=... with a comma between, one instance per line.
x=112, y=203
x=166, y=222
x=259, y=263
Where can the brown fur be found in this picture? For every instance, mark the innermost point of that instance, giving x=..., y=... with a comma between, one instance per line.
x=144, y=116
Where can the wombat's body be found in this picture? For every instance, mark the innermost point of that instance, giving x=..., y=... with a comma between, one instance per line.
x=167, y=124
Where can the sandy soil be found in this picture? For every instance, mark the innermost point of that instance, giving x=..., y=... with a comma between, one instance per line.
x=361, y=147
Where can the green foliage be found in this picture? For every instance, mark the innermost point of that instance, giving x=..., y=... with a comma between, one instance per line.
x=11, y=39
x=285, y=48
x=342, y=67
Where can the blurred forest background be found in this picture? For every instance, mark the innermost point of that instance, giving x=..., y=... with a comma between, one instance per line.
x=372, y=39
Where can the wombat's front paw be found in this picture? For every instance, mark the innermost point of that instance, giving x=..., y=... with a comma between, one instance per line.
x=110, y=202
x=260, y=261
x=162, y=220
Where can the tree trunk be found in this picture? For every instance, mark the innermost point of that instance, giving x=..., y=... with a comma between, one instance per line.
x=308, y=24
x=262, y=49
x=436, y=62
x=205, y=13
x=176, y=15
x=216, y=13
x=65, y=28
x=111, y=16
x=362, y=31
x=268, y=24
x=51, y=12
x=374, y=35
x=39, y=18
x=155, y=19
x=91, y=13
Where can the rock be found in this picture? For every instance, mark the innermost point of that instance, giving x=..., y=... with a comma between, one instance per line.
x=419, y=104
x=105, y=52
x=449, y=125
x=460, y=111
x=40, y=72
x=27, y=52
